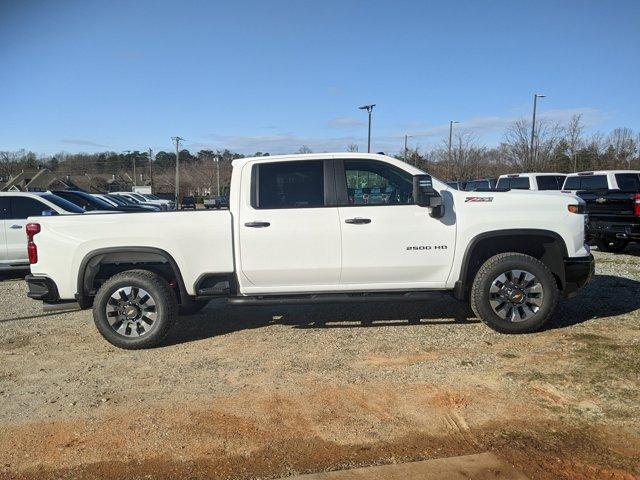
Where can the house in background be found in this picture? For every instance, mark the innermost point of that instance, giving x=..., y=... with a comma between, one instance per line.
x=38, y=181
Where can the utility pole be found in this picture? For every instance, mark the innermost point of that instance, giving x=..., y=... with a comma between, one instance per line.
x=177, y=140
x=151, y=168
x=369, y=109
x=127, y=152
x=533, y=128
x=134, y=169
x=405, y=146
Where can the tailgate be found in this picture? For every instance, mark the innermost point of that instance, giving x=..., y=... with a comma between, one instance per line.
x=614, y=204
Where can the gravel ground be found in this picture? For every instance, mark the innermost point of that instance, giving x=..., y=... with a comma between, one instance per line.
x=249, y=392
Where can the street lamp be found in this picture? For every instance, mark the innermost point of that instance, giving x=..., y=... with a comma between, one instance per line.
x=405, y=146
x=369, y=109
x=533, y=125
x=451, y=122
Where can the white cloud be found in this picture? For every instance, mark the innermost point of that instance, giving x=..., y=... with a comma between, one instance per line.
x=345, y=122
x=83, y=143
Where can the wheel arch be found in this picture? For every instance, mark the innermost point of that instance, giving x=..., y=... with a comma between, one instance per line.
x=545, y=245
x=126, y=258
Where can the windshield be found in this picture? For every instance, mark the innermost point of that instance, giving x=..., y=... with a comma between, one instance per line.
x=119, y=200
x=150, y=196
x=62, y=203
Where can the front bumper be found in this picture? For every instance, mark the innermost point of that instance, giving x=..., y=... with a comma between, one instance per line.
x=42, y=288
x=578, y=271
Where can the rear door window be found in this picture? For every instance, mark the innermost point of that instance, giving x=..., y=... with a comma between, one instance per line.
x=288, y=185
x=628, y=181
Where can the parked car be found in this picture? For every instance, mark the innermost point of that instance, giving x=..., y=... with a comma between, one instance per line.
x=86, y=201
x=171, y=205
x=138, y=199
x=614, y=213
x=131, y=200
x=124, y=205
x=482, y=184
x=600, y=180
x=15, y=207
x=188, y=203
x=291, y=238
x=216, y=202
x=531, y=181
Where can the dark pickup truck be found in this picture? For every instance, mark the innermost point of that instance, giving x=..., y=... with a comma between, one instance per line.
x=614, y=217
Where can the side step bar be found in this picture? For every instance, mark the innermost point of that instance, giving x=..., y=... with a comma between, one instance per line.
x=336, y=298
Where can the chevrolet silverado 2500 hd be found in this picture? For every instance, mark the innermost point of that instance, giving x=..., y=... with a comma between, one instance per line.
x=317, y=228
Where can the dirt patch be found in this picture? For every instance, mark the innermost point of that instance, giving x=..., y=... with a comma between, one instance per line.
x=267, y=392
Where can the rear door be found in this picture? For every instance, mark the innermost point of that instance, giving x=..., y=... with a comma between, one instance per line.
x=388, y=242
x=4, y=214
x=289, y=234
x=20, y=209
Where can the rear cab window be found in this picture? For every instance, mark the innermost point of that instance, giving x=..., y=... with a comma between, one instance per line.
x=295, y=184
x=514, y=183
x=586, y=182
x=549, y=182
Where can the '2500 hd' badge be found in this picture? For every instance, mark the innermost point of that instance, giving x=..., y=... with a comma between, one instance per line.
x=478, y=199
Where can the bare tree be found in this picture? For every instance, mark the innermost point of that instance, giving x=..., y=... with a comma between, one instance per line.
x=624, y=146
x=518, y=149
x=573, y=138
x=304, y=149
x=352, y=147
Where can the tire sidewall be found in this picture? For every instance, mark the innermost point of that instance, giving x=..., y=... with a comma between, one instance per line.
x=163, y=311
x=533, y=266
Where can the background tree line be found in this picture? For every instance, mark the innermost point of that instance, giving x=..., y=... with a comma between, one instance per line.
x=557, y=147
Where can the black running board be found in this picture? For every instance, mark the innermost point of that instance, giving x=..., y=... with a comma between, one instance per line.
x=337, y=298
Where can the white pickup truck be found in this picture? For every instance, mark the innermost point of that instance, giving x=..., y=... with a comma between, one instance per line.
x=317, y=228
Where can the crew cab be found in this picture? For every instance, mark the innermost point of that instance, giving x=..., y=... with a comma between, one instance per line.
x=531, y=181
x=613, y=204
x=318, y=228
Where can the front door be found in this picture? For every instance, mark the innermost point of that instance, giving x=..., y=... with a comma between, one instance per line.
x=387, y=242
x=289, y=232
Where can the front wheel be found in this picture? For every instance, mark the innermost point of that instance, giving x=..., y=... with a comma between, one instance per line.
x=514, y=293
x=135, y=309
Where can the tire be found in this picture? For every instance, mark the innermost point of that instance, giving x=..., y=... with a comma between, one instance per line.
x=529, y=298
x=125, y=318
x=192, y=307
x=612, y=245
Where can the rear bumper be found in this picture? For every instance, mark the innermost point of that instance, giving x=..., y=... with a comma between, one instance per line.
x=578, y=271
x=618, y=230
x=42, y=288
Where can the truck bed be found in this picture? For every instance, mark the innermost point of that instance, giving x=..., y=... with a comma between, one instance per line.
x=200, y=242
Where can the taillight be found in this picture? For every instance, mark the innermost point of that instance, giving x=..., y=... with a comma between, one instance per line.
x=636, y=210
x=32, y=230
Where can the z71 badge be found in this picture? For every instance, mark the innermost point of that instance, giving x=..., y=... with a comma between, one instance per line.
x=478, y=199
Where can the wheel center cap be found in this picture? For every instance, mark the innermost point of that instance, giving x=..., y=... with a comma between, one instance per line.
x=131, y=311
x=516, y=296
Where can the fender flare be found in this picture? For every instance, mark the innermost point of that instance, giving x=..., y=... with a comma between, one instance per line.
x=460, y=287
x=82, y=294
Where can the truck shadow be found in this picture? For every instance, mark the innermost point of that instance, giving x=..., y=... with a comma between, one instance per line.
x=605, y=296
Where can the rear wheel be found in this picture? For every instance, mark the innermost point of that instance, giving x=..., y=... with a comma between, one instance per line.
x=612, y=245
x=135, y=309
x=514, y=293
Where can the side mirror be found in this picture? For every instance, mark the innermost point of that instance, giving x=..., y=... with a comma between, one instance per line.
x=424, y=195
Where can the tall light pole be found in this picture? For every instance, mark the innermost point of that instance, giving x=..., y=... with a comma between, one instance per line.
x=177, y=140
x=151, y=169
x=369, y=109
x=406, y=137
x=127, y=152
x=451, y=122
x=217, y=160
x=533, y=126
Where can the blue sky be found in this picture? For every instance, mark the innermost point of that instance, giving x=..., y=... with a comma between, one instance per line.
x=276, y=75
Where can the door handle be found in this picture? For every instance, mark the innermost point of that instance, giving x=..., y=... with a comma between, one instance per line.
x=358, y=220
x=257, y=224
x=15, y=227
